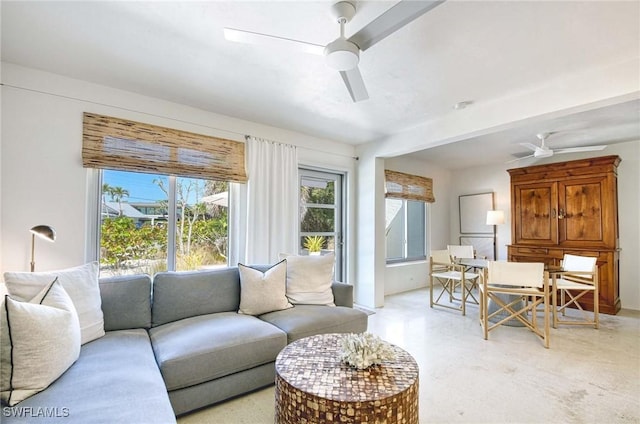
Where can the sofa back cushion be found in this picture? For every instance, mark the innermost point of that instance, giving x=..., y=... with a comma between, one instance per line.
x=80, y=283
x=126, y=302
x=184, y=294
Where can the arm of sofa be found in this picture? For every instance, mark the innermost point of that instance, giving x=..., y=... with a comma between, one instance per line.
x=342, y=294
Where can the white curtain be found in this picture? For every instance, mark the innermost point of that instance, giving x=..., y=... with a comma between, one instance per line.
x=272, y=201
x=237, y=223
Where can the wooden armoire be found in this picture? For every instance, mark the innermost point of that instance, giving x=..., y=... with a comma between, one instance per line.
x=569, y=207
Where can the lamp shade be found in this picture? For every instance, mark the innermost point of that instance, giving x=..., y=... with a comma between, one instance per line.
x=44, y=231
x=495, y=217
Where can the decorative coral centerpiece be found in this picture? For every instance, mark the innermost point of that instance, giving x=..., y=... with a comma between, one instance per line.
x=364, y=350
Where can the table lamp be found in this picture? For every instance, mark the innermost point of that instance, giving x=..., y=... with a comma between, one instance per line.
x=44, y=232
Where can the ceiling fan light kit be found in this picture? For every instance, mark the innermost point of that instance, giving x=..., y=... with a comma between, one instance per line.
x=343, y=54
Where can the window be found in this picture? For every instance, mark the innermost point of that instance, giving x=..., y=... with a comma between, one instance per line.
x=406, y=215
x=405, y=230
x=151, y=223
x=321, y=215
x=150, y=219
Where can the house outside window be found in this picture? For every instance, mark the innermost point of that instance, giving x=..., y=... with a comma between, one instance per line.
x=151, y=223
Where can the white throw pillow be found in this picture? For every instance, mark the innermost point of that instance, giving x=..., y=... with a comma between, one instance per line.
x=262, y=292
x=309, y=279
x=40, y=340
x=81, y=283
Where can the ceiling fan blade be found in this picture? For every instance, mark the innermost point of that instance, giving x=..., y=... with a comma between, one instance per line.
x=517, y=159
x=580, y=149
x=390, y=21
x=530, y=146
x=242, y=36
x=355, y=84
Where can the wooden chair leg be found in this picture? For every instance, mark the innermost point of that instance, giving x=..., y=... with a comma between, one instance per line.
x=554, y=310
x=431, y=292
x=596, y=308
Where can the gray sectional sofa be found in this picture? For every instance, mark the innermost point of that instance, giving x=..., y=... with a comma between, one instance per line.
x=176, y=344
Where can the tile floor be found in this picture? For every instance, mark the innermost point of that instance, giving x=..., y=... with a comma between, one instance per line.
x=587, y=376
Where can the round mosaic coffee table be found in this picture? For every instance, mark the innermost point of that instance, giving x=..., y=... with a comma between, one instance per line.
x=314, y=386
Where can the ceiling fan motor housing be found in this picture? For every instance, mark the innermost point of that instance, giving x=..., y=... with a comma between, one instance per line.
x=342, y=54
x=542, y=153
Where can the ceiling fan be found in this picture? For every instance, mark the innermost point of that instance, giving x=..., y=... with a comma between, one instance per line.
x=343, y=54
x=543, y=151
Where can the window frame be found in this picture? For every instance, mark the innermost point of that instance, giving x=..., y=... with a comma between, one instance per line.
x=94, y=208
x=341, y=217
x=405, y=244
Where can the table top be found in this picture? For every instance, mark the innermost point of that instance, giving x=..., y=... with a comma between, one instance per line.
x=313, y=365
x=483, y=263
x=554, y=269
x=472, y=262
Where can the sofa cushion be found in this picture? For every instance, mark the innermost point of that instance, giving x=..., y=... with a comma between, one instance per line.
x=342, y=294
x=309, y=279
x=262, y=292
x=40, y=340
x=115, y=380
x=126, y=302
x=202, y=348
x=184, y=294
x=308, y=320
x=81, y=283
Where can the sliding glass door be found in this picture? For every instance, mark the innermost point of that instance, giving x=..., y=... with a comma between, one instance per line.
x=321, y=215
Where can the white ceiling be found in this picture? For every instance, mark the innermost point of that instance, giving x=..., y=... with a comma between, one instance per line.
x=613, y=124
x=461, y=50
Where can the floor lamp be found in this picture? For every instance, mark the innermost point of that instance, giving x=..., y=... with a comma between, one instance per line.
x=495, y=218
x=43, y=231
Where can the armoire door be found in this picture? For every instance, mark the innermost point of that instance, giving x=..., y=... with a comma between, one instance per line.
x=536, y=207
x=582, y=209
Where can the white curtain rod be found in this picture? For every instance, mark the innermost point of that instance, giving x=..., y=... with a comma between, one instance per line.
x=301, y=147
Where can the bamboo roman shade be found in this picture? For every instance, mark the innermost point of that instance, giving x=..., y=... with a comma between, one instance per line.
x=407, y=186
x=113, y=143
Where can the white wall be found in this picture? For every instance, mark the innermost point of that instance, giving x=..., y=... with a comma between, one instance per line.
x=370, y=236
x=629, y=221
x=570, y=93
x=483, y=180
x=41, y=174
x=444, y=226
x=496, y=179
x=413, y=275
x=0, y=168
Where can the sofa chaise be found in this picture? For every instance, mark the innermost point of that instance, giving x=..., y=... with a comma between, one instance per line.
x=176, y=344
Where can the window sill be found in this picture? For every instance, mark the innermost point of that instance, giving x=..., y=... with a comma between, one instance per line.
x=399, y=263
